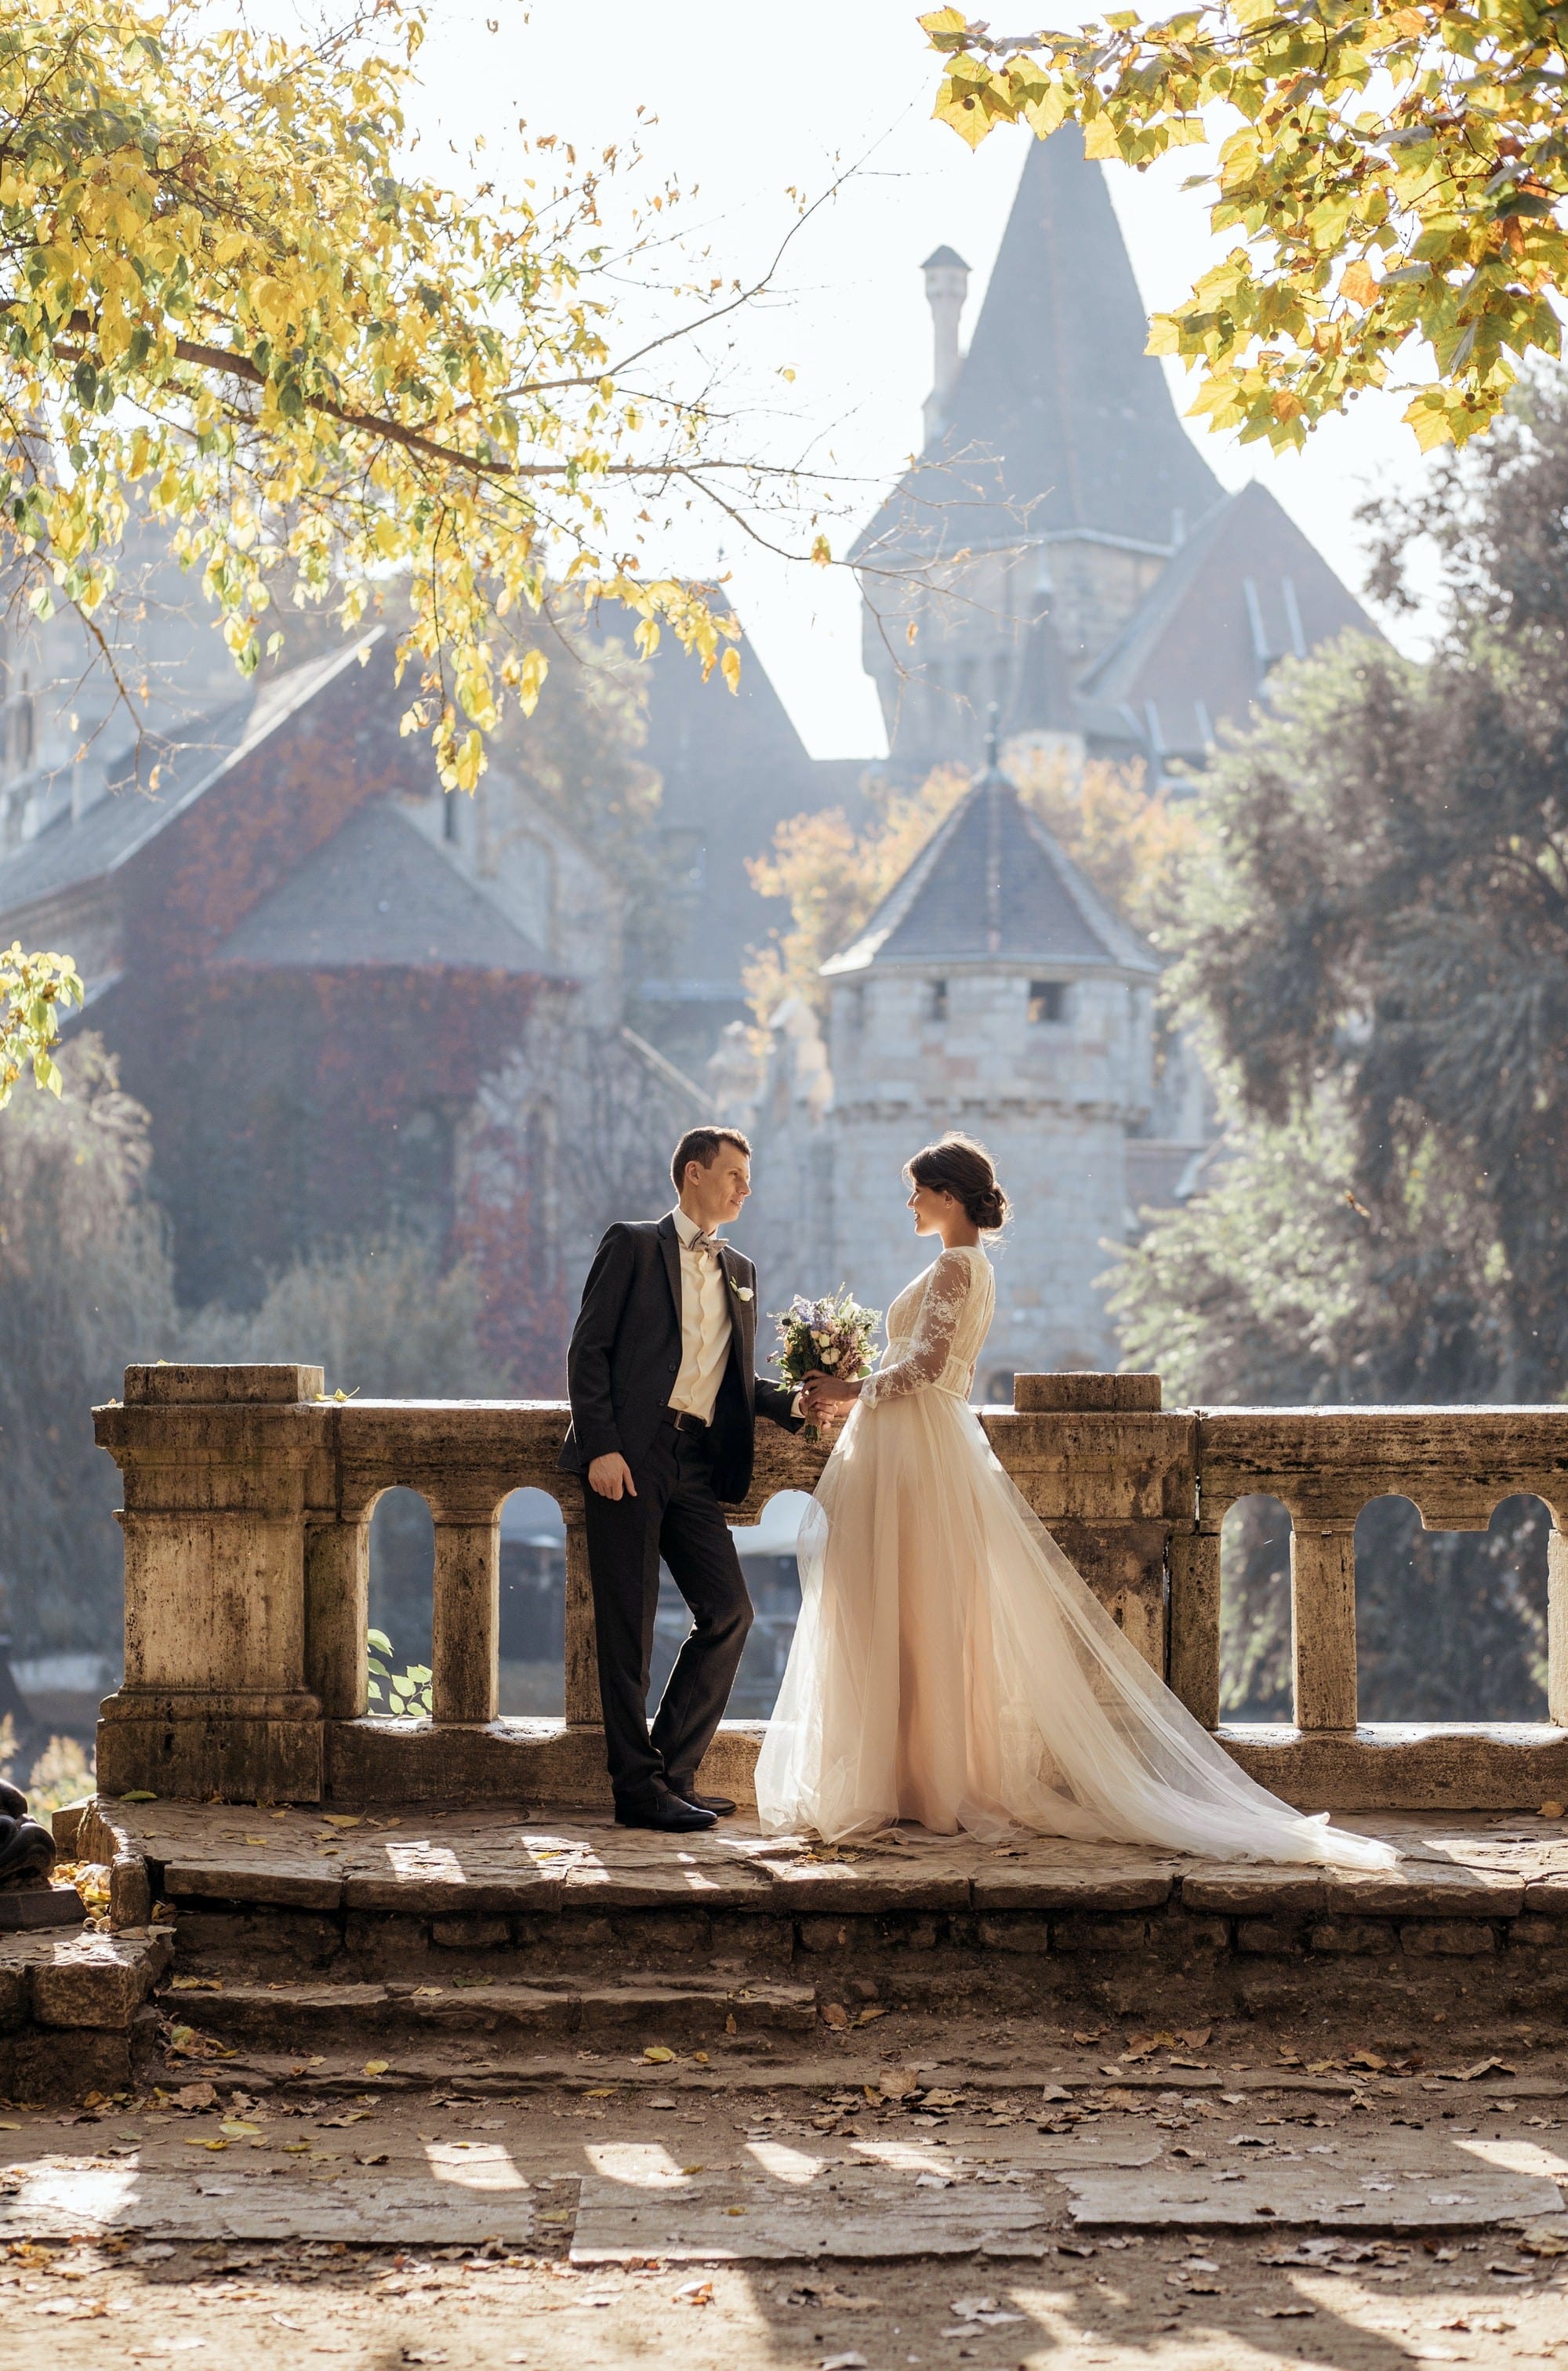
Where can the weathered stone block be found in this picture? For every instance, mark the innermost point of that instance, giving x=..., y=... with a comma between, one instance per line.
x=1548, y=1895
x=1270, y=1937
x=1019, y=1933
x=130, y=1893
x=1115, y=1887
x=93, y=1980
x=1537, y=1934
x=1199, y=1936
x=470, y=1934
x=14, y=2006
x=1418, y=1890
x=842, y=1889
x=835, y=1934
x=278, y=1886
x=1447, y=1938
x=1354, y=1937
x=1081, y=1934
x=383, y=1938
x=38, y=2067
x=1250, y=1892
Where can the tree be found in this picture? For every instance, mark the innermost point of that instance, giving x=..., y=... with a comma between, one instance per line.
x=1382, y=905
x=1395, y=171
x=32, y=990
x=226, y=295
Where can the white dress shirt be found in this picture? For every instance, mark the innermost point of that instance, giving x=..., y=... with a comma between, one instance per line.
x=705, y=1325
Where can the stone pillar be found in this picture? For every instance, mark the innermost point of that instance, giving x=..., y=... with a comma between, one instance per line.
x=215, y=1700
x=1194, y=1623
x=1322, y=1611
x=337, y=1593
x=466, y=1621
x=1557, y=1627
x=583, y=1709
x=1112, y=1478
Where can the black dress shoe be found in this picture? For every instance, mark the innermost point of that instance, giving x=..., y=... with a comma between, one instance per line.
x=720, y=1805
x=662, y=1809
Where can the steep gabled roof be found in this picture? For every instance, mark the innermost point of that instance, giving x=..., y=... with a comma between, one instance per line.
x=69, y=853
x=992, y=885
x=380, y=892
x=1245, y=589
x=1059, y=420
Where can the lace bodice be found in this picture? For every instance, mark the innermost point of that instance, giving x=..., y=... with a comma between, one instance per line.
x=936, y=1329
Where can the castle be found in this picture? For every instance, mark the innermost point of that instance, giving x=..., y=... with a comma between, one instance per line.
x=1063, y=558
x=344, y=997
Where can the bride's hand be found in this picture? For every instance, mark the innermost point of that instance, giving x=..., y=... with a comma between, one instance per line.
x=823, y=1392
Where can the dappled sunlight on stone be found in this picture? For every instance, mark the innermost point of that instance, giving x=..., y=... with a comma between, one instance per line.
x=785, y=2164
x=412, y=1860
x=642, y=2165
x=473, y=2164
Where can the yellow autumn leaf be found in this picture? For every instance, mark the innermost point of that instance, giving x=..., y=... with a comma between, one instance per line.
x=657, y=2055
x=729, y=668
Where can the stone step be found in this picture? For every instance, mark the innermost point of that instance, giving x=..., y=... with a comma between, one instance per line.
x=74, y=2012
x=680, y=2008
x=1476, y=1911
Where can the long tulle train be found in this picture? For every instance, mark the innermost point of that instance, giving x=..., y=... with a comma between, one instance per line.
x=951, y=1667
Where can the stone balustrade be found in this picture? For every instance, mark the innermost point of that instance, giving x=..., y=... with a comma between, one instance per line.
x=249, y=1499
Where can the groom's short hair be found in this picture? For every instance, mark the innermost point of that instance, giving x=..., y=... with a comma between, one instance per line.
x=700, y=1144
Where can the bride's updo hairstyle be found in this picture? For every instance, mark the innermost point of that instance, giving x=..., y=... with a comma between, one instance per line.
x=957, y=1166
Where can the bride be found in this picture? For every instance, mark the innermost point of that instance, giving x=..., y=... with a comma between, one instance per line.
x=949, y=1666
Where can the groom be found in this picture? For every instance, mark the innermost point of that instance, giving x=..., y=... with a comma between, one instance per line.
x=663, y=1404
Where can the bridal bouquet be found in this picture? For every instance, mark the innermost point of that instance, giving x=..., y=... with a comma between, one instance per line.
x=832, y=1334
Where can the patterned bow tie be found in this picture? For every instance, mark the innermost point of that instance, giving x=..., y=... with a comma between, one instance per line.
x=702, y=1242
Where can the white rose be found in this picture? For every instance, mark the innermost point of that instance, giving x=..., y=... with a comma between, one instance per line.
x=830, y=1358
x=742, y=1293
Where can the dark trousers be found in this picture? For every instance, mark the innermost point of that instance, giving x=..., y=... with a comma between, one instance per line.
x=675, y=1515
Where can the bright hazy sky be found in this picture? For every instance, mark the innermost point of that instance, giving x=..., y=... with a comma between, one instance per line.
x=750, y=100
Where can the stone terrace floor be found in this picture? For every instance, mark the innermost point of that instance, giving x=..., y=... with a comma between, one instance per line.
x=421, y=1857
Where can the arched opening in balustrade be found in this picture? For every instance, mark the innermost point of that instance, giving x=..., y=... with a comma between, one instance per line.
x=402, y=1579
x=533, y=1607
x=1254, y=1612
x=767, y=1550
x=1451, y=1626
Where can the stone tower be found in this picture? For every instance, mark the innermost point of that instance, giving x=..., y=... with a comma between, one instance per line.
x=992, y=991
x=1062, y=549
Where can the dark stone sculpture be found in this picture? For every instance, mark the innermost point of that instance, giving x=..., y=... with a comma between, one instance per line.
x=26, y=1849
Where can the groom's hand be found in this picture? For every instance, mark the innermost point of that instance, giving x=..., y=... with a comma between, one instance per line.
x=610, y=1476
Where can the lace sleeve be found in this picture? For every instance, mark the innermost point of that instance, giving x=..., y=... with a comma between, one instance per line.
x=923, y=1363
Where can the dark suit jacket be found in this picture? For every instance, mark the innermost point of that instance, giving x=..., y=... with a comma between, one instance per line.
x=625, y=1354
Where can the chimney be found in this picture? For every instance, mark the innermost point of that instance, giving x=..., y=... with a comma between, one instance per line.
x=947, y=285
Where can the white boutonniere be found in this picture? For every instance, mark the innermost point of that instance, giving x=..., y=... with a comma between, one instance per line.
x=741, y=1291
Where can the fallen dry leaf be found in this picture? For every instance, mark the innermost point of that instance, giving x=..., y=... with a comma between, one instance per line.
x=1554, y=1811
x=657, y=2055
x=836, y=2015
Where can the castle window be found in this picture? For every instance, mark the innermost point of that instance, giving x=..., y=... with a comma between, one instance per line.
x=937, y=1000
x=1048, y=1000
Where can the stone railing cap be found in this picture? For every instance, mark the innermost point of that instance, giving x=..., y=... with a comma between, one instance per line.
x=172, y=1386
x=1086, y=1393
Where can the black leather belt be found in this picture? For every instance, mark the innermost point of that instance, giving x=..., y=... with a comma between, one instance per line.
x=684, y=1421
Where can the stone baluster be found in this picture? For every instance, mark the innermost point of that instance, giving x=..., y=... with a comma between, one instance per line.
x=337, y=1591
x=583, y=1709
x=215, y=1700
x=1194, y=1623
x=466, y=1609
x=1557, y=1625
x=1322, y=1609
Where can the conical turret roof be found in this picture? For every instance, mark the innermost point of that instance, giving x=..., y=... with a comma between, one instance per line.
x=993, y=885
x=1058, y=421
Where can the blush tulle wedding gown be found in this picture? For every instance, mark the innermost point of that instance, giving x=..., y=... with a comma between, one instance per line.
x=951, y=1668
